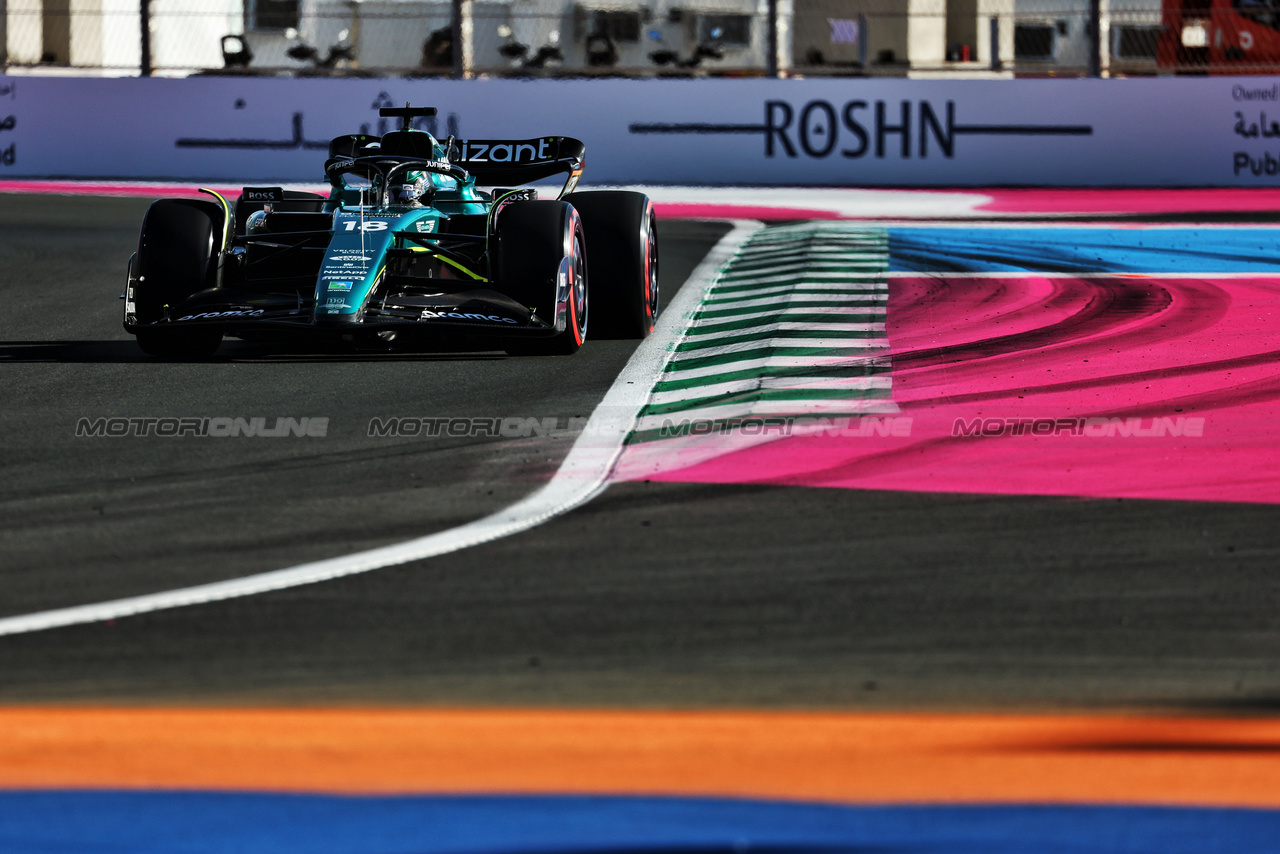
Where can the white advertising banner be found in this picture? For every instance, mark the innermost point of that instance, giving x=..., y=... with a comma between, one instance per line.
x=832, y=132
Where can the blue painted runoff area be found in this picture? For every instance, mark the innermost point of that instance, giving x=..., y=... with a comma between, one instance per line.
x=1085, y=250
x=142, y=822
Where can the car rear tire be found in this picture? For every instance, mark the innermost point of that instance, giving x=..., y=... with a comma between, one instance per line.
x=536, y=245
x=177, y=255
x=622, y=252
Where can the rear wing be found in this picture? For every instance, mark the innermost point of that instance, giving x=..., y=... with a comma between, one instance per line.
x=505, y=162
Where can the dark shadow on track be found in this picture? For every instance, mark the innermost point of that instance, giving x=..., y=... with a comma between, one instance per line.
x=102, y=352
x=124, y=352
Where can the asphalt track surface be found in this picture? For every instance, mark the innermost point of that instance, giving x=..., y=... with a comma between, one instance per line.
x=654, y=594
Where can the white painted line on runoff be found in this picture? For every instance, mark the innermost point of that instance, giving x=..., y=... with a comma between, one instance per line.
x=1032, y=274
x=583, y=475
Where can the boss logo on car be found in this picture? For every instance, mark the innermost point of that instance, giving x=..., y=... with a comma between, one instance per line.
x=262, y=194
x=214, y=315
x=428, y=314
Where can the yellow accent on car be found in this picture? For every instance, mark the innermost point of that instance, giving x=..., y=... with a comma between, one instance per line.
x=456, y=265
x=227, y=219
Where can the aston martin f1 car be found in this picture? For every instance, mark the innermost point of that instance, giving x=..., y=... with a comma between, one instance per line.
x=419, y=241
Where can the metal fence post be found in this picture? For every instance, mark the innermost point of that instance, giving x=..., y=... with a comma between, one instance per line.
x=1095, y=38
x=144, y=15
x=995, y=43
x=459, y=68
x=4, y=34
x=864, y=58
x=771, y=63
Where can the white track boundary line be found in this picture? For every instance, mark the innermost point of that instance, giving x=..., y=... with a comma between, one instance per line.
x=582, y=476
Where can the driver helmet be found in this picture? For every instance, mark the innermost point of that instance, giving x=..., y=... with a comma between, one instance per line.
x=410, y=188
x=256, y=223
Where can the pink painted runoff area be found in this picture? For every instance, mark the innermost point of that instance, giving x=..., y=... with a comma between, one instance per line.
x=681, y=210
x=785, y=203
x=794, y=204
x=1137, y=201
x=110, y=188
x=1148, y=387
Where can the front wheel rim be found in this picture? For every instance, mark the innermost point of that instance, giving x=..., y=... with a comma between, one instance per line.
x=579, y=293
x=651, y=270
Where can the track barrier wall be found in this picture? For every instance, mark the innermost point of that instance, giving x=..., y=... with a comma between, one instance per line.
x=1222, y=132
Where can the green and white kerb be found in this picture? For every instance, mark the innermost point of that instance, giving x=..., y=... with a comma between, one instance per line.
x=794, y=325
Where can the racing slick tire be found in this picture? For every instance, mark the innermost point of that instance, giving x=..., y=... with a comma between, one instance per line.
x=622, y=252
x=538, y=244
x=177, y=251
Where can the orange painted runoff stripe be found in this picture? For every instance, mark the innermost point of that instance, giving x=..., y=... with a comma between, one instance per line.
x=850, y=758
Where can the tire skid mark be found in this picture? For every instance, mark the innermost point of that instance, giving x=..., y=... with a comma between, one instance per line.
x=1105, y=309
x=1115, y=385
x=1176, y=310
x=929, y=451
x=1257, y=360
x=1123, y=320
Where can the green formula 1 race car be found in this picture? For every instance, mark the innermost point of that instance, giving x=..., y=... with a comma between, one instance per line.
x=407, y=248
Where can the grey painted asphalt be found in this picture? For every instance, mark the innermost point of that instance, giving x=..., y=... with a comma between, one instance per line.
x=653, y=594
x=87, y=519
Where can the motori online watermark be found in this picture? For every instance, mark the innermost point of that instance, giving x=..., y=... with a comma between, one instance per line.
x=214, y=427
x=1093, y=427
x=862, y=426
x=524, y=427
x=472, y=427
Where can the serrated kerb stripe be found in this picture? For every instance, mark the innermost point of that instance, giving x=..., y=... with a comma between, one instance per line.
x=870, y=289
x=780, y=308
x=816, y=322
x=781, y=334
x=769, y=394
x=699, y=362
x=860, y=283
x=794, y=323
x=879, y=364
x=815, y=372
